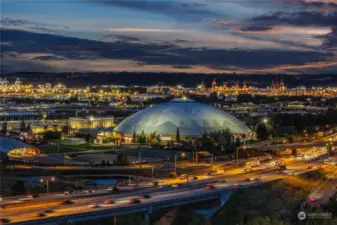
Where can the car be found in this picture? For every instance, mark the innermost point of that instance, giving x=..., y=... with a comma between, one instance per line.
x=94, y=205
x=40, y=215
x=222, y=181
x=115, y=189
x=4, y=220
x=145, y=196
x=209, y=187
x=246, y=179
x=255, y=179
x=108, y=202
x=32, y=196
x=67, y=202
x=236, y=185
x=195, y=178
x=69, y=192
x=177, y=185
x=183, y=176
x=310, y=167
x=312, y=200
x=48, y=211
x=134, y=201
x=89, y=191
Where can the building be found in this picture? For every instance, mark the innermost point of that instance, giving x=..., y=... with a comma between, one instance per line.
x=193, y=120
x=15, y=148
x=90, y=122
x=35, y=126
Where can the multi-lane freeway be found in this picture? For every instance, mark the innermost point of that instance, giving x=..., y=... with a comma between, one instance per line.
x=52, y=207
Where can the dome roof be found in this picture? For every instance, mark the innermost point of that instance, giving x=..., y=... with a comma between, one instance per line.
x=8, y=144
x=192, y=118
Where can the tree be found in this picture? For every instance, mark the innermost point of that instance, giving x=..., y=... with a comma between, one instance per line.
x=122, y=160
x=89, y=138
x=262, y=132
x=52, y=136
x=65, y=129
x=142, y=138
x=22, y=126
x=266, y=221
x=238, y=143
x=28, y=128
x=4, y=128
x=178, y=135
x=134, y=136
x=18, y=188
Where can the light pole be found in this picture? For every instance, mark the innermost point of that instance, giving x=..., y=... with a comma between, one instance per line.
x=47, y=182
x=152, y=171
x=237, y=157
x=175, y=164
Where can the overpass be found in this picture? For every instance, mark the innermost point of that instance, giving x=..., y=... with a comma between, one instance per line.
x=321, y=142
x=165, y=201
x=279, y=147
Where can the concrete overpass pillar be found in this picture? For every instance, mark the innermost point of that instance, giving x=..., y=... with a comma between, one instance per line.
x=147, y=217
x=114, y=220
x=224, y=197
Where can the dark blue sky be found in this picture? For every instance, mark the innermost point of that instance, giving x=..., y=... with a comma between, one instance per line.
x=252, y=36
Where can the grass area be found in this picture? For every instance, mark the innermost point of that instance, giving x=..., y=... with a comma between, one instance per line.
x=51, y=149
x=62, y=148
x=272, y=203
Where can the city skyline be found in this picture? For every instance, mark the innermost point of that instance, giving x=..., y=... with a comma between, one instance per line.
x=169, y=36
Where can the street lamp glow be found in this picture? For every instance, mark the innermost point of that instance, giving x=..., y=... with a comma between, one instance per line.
x=91, y=118
x=265, y=120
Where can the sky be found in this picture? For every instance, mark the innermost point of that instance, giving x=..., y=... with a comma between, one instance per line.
x=192, y=36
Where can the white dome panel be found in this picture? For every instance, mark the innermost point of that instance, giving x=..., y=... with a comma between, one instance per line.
x=192, y=118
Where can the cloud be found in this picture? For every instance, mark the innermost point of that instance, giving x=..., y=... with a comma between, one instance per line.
x=116, y=37
x=330, y=40
x=30, y=25
x=314, y=4
x=142, y=30
x=256, y=28
x=298, y=18
x=50, y=49
x=176, y=9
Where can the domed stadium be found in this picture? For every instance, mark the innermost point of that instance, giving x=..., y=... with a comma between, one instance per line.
x=192, y=118
x=15, y=148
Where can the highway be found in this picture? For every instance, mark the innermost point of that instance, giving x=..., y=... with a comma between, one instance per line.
x=158, y=195
x=320, y=142
x=324, y=191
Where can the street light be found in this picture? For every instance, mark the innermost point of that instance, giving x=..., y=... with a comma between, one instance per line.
x=237, y=155
x=265, y=120
x=47, y=182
